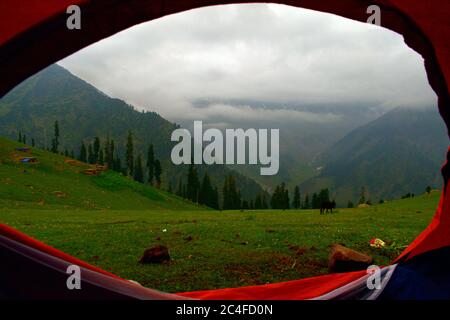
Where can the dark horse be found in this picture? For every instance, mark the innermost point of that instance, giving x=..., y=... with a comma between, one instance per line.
x=327, y=205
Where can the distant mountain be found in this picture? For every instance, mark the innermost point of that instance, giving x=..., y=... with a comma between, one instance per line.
x=84, y=112
x=302, y=138
x=400, y=152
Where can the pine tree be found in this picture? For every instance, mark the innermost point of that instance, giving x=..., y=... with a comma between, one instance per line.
x=286, y=202
x=91, y=156
x=215, y=200
x=193, y=184
x=231, y=195
x=238, y=201
x=322, y=197
x=184, y=192
x=158, y=172
x=258, y=202
x=33, y=143
x=306, y=202
x=138, y=172
x=179, y=191
x=106, y=150
x=296, y=201
x=362, y=198
x=226, y=205
x=111, y=161
x=275, y=200
x=150, y=164
x=280, y=197
x=20, y=137
x=315, y=201
x=349, y=204
x=265, y=205
x=55, y=140
x=96, y=149
x=206, y=192
x=129, y=154
x=117, y=165
x=101, y=160
x=24, y=139
x=83, y=153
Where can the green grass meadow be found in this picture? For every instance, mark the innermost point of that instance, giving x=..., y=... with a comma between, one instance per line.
x=109, y=220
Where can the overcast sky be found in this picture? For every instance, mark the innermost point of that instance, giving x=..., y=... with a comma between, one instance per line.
x=254, y=61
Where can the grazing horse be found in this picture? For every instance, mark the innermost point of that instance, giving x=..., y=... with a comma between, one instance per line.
x=327, y=205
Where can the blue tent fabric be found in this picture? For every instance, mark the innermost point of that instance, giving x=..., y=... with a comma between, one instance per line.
x=424, y=277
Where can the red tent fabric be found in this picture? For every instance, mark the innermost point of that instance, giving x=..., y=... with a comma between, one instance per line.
x=33, y=34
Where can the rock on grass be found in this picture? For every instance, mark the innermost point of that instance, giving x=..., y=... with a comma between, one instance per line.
x=343, y=259
x=156, y=254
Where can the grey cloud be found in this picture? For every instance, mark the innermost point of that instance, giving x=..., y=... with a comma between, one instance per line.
x=254, y=52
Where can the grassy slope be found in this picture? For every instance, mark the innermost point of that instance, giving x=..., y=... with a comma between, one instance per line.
x=228, y=249
x=52, y=182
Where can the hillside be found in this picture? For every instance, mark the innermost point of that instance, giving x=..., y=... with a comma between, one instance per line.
x=53, y=182
x=84, y=112
x=400, y=152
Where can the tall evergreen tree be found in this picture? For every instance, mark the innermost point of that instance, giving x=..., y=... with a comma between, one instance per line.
x=193, y=184
x=315, y=201
x=96, y=148
x=130, y=154
x=362, y=197
x=215, y=199
x=91, y=156
x=151, y=164
x=138, y=173
x=280, y=197
x=323, y=196
x=20, y=137
x=101, y=160
x=231, y=195
x=179, y=191
x=33, y=143
x=285, y=199
x=117, y=165
x=306, y=202
x=83, y=153
x=206, y=194
x=55, y=140
x=106, y=150
x=264, y=204
x=111, y=162
x=158, y=172
x=296, y=202
x=258, y=202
